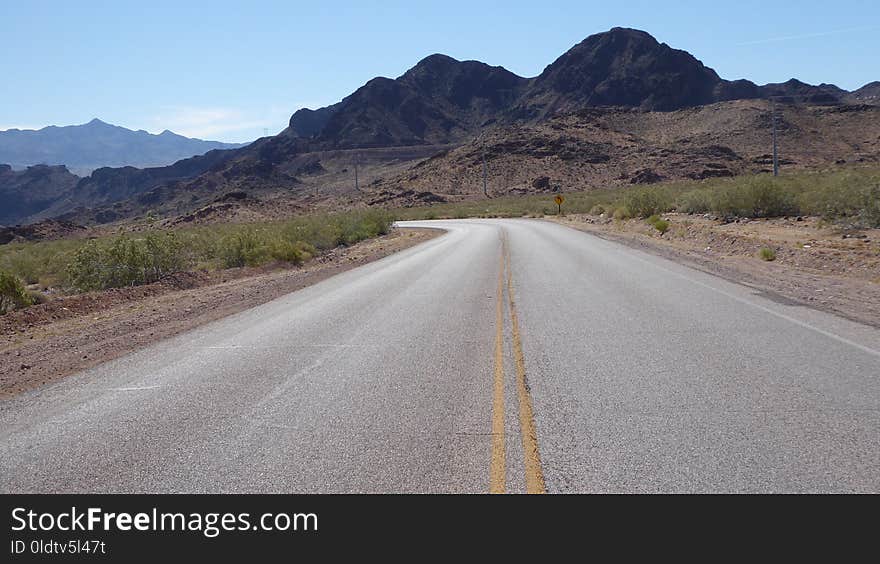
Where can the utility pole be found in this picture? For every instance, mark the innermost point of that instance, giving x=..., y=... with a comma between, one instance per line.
x=775, y=146
x=485, y=177
x=357, y=158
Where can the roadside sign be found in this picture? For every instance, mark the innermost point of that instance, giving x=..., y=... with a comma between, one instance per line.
x=559, y=199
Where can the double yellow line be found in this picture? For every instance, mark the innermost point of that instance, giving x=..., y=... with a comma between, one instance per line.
x=531, y=455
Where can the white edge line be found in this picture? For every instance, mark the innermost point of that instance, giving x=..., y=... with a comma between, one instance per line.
x=803, y=324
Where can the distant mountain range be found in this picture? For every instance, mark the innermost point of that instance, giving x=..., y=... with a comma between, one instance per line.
x=442, y=102
x=83, y=148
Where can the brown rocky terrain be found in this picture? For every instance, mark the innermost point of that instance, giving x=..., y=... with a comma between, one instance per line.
x=45, y=230
x=601, y=147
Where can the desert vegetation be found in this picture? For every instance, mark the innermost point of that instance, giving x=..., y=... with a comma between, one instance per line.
x=850, y=197
x=144, y=257
x=767, y=254
x=13, y=294
x=658, y=223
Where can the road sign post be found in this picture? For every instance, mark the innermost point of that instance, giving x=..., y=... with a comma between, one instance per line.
x=559, y=199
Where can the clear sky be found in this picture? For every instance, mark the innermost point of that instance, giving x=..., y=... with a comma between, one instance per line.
x=226, y=70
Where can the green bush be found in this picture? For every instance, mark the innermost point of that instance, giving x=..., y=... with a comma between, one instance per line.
x=13, y=294
x=295, y=252
x=645, y=202
x=85, y=265
x=846, y=198
x=759, y=196
x=598, y=209
x=658, y=223
x=621, y=213
x=123, y=261
x=242, y=248
x=694, y=201
x=768, y=254
x=848, y=195
x=39, y=263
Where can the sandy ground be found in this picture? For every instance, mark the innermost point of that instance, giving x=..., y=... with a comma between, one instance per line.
x=817, y=265
x=44, y=343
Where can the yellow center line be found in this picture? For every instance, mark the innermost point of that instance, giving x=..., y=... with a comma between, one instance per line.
x=497, y=471
x=531, y=455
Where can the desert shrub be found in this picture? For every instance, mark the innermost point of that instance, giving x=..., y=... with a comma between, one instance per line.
x=759, y=196
x=645, y=202
x=658, y=223
x=13, y=294
x=768, y=254
x=294, y=252
x=242, y=248
x=598, y=209
x=162, y=255
x=37, y=297
x=43, y=262
x=694, y=201
x=26, y=266
x=847, y=197
x=330, y=231
x=123, y=261
x=86, y=265
x=292, y=241
x=324, y=235
x=86, y=270
x=621, y=213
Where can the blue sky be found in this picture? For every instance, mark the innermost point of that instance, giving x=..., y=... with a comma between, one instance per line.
x=227, y=70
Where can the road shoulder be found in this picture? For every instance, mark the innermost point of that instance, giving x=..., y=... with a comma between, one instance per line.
x=45, y=343
x=813, y=267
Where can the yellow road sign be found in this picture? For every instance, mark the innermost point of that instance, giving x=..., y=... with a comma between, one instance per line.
x=559, y=200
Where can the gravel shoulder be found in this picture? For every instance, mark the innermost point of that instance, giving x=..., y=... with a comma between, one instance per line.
x=816, y=265
x=47, y=342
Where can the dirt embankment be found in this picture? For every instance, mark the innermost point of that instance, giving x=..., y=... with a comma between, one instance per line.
x=816, y=264
x=44, y=343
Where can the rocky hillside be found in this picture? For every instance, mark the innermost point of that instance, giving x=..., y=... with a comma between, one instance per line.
x=867, y=94
x=601, y=147
x=27, y=192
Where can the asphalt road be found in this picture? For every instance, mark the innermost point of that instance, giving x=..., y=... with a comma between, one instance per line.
x=506, y=355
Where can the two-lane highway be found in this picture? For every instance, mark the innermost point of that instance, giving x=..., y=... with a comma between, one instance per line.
x=506, y=355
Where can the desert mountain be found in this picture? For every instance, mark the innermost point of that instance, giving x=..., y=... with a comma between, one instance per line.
x=388, y=127
x=626, y=67
x=83, y=148
x=439, y=100
x=442, y=100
